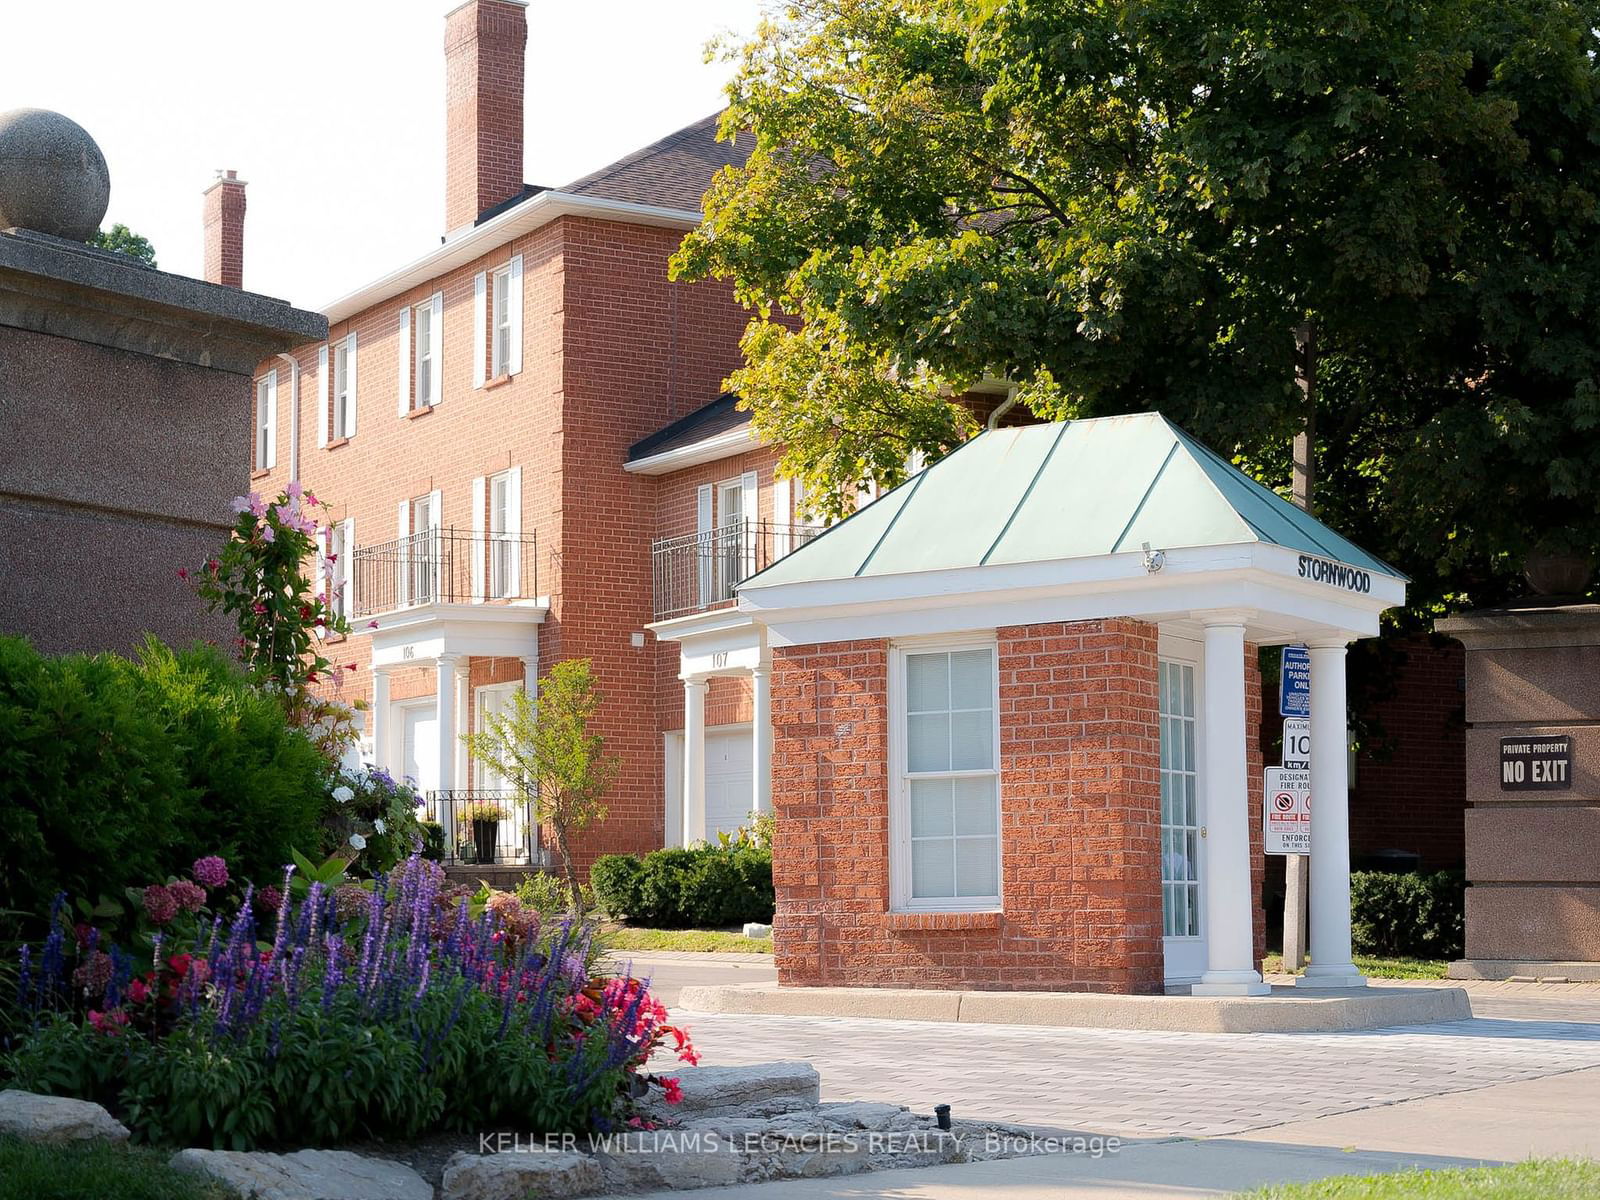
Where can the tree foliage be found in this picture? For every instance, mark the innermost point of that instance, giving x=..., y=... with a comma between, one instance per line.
x=125, y=241
x=545, y=750
x=1132, y=206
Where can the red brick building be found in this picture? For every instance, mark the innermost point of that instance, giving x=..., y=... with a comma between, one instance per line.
x=520, y=432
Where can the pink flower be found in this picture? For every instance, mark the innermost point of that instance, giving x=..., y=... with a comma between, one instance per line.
x=211, y=871
x=673, y=1093
x=93, y=973
x=268, y=534
x=160, y=904
x=183, y=572
x=190, y=897
x=294, y=490
x=258, y=506
x=241, y=504
x=310, y=499
x=269, y=899
x=108, y=1023
x=138, y=991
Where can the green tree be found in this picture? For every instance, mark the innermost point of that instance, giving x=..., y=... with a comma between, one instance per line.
x=545, y=750
x=125, y=241
x=1130, y=206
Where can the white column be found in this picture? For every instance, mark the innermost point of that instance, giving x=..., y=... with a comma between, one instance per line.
x=761, y=723
x=463, y=708
x=444, y=699
x=380, y=718
x=694, y=761
x=1224, y=786
x=1330, y=825
x=530, y=675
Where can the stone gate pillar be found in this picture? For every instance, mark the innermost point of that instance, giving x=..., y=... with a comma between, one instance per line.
x=1533, y=791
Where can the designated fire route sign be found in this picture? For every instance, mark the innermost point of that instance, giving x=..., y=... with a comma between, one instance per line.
x=1286, y=811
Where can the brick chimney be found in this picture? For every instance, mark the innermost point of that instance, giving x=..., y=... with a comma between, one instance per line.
x=225, y=230
x=484, y=44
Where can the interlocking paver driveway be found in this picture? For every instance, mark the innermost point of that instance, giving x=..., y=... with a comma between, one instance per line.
x=1148, y=1084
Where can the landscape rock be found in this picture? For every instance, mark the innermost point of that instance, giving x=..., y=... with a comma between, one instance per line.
x=668, y=1158
x=759, y=1090
x=860, y=1114
x=57, y=1119
x=305, y=1175
x=517, y=1175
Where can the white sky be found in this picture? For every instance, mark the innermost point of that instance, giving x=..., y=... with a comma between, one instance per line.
x=334, y=112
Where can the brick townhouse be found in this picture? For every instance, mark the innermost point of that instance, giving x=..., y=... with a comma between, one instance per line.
x=528, y=458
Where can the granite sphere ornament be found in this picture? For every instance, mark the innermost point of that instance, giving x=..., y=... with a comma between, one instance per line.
x=53, y=178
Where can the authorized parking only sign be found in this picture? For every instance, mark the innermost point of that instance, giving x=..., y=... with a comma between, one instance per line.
x=1286, y=813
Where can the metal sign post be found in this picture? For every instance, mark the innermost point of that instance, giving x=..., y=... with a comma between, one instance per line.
x=1294, y=705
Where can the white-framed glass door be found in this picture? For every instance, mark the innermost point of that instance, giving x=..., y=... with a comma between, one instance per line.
x=492, y=700
x=1182, y=822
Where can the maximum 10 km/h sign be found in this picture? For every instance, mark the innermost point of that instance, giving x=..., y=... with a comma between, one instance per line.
x=1286, y=811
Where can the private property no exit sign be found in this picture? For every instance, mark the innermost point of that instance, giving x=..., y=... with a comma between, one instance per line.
x=1536, y=764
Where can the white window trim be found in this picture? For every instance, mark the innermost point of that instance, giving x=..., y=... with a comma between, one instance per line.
x=266, y=421
x=900, y=898
x=1190, y=652
x=346, y=429
x=497, y=368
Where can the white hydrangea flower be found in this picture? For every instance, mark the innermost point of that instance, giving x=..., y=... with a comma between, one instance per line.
x=359, y=842
x=343, y=794
x=380, y=826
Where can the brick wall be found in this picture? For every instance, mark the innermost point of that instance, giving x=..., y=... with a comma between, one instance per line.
x=1080, y=820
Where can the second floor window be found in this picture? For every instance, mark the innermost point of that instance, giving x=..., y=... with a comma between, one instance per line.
x=424, y=548
x=342, y=388
x=497, y=322
x=500, y=355
x=424, y=354
x=266, y=455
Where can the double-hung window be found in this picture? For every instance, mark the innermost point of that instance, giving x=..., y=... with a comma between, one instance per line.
x=267, y=421
x=424, y=554
x=946, y=778
x=502, y=547
x=423, y=339
x=344, y=388
x=500, y=309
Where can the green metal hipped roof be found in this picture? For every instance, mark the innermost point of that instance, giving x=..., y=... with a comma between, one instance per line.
x=1074, y=489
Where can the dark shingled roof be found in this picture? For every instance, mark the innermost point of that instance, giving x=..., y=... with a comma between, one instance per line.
x=672, y=173
x=720, y=416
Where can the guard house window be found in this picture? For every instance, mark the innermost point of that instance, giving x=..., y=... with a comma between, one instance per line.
x=500, y=311
x=948, y=794
x=1180, y=824
x=344, y=392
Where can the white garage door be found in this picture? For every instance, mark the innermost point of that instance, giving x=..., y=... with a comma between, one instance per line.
x=729, y=781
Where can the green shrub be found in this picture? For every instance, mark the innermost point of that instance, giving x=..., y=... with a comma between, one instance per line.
x=546, y=894
x=687, y=887
x=115, y=772
x=432, y=840
x=1407, y=915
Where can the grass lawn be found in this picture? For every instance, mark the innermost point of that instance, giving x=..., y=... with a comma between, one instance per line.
x=1550, y=1179
x=1378, y=968
x=716, y=941
x=95, y=1172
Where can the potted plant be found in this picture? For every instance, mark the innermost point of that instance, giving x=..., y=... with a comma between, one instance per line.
x=484, y=817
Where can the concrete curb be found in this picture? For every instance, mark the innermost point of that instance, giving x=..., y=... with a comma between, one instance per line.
x=1285, y=1011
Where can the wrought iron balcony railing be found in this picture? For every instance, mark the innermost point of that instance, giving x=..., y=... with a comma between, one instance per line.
x=444, y=566
x=700, y=570
x=488, y=827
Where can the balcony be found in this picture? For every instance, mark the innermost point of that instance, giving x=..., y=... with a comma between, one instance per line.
x=444, y=566
x=488, y=827
x=699, y=571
